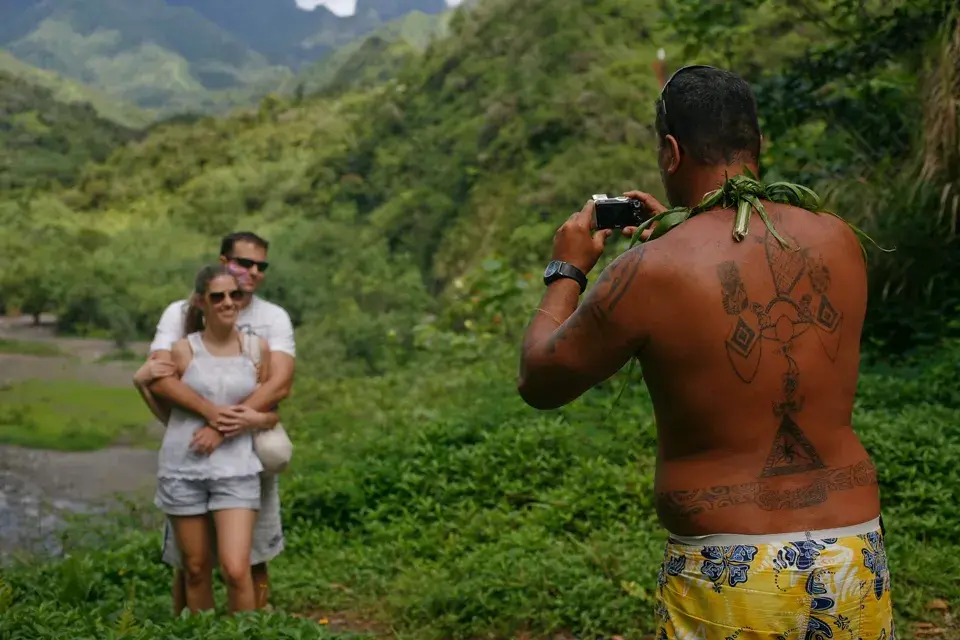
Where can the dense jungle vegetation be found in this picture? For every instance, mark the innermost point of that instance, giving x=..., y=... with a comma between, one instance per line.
x=410, y=215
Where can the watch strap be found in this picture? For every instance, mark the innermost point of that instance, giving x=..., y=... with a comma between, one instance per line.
x=567, y=270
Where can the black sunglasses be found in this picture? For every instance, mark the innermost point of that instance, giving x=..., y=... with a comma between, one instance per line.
x=662, y=103
x=216, y=297
x=246, y=263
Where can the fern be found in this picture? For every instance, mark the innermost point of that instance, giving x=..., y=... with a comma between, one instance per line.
x=6, y=596
x=126, y=626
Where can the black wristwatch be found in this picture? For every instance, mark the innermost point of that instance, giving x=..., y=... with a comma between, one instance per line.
x=558, y=269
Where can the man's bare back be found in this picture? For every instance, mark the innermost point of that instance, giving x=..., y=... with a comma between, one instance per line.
x=751, y=359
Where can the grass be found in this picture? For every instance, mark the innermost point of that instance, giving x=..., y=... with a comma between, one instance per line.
x=448, y=509
x=68, y=415
x=124, y=355
x=29, y=348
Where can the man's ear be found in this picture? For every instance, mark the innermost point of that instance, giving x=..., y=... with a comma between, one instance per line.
x=672, y=148
x=223, y=259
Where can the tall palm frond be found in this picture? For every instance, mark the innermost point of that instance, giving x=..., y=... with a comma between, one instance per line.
x=941, y=122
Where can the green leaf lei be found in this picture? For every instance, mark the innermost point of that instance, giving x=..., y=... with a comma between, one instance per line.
x=745, y=192
x=741, y=192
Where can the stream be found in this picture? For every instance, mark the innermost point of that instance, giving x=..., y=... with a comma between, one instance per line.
x=40, y=489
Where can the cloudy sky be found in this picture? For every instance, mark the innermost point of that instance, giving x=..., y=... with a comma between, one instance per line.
x=345, y=7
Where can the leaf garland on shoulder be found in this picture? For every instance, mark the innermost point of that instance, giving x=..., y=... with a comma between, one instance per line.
x=743, y=193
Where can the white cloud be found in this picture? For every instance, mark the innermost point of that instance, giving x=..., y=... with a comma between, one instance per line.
x=339, y=7
x=346, y=7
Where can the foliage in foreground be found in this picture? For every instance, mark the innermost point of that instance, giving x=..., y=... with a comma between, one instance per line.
x=448, y=509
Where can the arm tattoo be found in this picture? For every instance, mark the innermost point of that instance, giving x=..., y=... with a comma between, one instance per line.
x=776, y=324
x=602, y=300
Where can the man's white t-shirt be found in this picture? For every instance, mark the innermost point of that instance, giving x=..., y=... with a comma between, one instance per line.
x=260, y=318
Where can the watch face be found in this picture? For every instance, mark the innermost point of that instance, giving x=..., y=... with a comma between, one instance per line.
x=552, y=268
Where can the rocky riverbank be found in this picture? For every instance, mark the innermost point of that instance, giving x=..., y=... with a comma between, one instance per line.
x=40, y=489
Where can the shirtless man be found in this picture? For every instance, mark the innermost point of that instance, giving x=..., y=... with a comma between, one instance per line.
x=246, y=254
x=750, y=353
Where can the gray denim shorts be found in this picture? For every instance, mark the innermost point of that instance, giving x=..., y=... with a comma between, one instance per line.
x=183, y=497
x=268, y=540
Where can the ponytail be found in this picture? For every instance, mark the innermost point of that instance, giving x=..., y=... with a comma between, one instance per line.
x=193, y=320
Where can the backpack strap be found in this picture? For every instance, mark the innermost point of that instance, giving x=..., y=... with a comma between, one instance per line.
x=195, y=342
x=251, y=345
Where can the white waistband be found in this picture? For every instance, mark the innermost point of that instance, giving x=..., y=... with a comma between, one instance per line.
x=730, y=539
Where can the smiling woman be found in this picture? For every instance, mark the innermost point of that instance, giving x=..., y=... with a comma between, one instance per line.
x=205, y=469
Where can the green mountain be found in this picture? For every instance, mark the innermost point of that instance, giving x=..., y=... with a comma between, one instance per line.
x=372, y=58
x=70, y=91
x=34, y=115
x=387, y=10
x=45, y=139
x=142, y=51
x=296, y=37
x=172, y=56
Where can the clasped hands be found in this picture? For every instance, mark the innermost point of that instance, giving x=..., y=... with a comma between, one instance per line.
x=226, y=422
x=222, y=421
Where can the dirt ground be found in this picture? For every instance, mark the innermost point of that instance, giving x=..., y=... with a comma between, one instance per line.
x=38, y=487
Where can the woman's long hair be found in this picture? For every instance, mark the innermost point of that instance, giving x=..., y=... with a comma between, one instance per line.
x=194, y=321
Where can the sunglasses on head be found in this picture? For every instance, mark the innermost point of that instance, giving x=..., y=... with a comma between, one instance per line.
x=246, y=263
x=662, y=102
x=216, y=297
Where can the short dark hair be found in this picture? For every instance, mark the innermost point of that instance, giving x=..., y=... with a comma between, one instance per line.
x=226, y=245
x=712, y=113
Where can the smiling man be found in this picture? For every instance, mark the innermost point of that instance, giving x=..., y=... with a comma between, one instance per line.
x=750, y=351
x=245, y=253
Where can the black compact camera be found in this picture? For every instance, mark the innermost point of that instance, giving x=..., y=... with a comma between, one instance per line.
x=617, y=213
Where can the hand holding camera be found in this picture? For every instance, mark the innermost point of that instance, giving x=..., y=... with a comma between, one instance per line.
x=626, y=212
x=576, y=244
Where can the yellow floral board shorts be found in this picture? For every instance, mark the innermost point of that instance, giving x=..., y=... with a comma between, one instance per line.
x=813, y=585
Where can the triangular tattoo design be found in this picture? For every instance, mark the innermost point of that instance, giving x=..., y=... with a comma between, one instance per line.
x=791, y=452
x=786, y=267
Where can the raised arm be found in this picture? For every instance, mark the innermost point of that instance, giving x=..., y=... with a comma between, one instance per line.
x=569, y=348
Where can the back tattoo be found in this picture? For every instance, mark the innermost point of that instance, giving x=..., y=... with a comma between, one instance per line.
x=760, y=327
